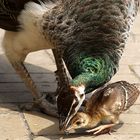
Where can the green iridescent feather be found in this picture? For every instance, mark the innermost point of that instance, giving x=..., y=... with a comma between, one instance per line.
x=93, y=34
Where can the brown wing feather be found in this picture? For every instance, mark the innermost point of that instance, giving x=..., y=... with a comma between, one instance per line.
x=120, y=96
x=116, y=97
x=131, y=94
x=94, y=99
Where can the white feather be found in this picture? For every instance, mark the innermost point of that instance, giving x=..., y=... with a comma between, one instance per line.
x=32, y=13
x=30, y=38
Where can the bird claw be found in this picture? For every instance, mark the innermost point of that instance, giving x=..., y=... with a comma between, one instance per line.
x=27, y=106
x=48, y=108
x=43, y=105
x=103, y=129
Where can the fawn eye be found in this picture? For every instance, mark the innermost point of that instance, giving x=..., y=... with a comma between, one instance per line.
x=78, y=123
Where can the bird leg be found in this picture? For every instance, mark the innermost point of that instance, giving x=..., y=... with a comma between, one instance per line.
x=102, y=129
x=17, y=46
x=39, y=98
x=61, y=74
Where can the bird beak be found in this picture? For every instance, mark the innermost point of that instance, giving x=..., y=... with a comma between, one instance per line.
x=64, y=120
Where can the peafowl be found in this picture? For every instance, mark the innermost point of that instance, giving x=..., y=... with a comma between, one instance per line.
x=103, y=108
x=89, y=35
x=95, y=39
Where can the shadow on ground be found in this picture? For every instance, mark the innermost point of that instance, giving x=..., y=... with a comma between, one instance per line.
x=13, y=90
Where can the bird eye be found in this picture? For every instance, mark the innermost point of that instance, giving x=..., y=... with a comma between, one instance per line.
x=78, y=123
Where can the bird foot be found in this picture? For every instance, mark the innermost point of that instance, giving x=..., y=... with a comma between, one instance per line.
x=27, y=106
x=102, y=129
x=43, y=105
x=48, y=108
x=50, y=97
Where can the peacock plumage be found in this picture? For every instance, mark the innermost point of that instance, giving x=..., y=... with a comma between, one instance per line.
x=93, y=34
x=90, y=34
x=9, y=12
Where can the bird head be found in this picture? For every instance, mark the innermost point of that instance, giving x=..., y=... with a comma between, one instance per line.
x=68, y=104
x=80, y=120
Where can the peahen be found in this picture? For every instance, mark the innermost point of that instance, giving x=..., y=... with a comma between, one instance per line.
x=95, y=39
x=89, y=34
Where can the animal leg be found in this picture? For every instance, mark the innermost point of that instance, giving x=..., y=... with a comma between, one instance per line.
x=102, y=129
x=16, y=51
x=61, y=74
x=37, y=96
